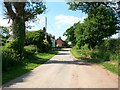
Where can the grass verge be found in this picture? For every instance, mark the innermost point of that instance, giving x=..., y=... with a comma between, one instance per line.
x=31, y=61
x=111, y=65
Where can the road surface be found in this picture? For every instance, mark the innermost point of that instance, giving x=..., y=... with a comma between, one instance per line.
x=64, y=71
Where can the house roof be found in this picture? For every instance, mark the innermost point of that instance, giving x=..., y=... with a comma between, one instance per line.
x=59, y=39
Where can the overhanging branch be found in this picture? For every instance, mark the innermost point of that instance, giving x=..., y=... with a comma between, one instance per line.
x=9, y=10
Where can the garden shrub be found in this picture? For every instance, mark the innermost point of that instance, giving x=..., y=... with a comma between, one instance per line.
x=31, y=48
x=9, y=58
x=11, y=45
x=30, y=51
x=35, y=38
x=14, y=44
x=38, y=38
x=46, y=46
x=3, y=41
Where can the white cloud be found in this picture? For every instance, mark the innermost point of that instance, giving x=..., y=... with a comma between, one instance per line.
x=68, y=20
x=37, y=24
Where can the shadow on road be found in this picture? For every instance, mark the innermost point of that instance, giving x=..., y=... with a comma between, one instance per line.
x=22, y=78
x=76, y=62
x=65, y=50
x=63, y=54
x=17, y=80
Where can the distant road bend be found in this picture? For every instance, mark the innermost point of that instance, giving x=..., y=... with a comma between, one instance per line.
x=65, y=71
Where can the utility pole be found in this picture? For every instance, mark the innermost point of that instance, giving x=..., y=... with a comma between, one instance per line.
x=45, y=28
x=46, y=23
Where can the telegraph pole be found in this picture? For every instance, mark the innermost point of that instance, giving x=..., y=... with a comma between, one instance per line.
x=45, y=28
x=46, y=23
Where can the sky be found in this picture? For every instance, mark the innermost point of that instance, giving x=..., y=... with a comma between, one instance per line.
x=59, y=19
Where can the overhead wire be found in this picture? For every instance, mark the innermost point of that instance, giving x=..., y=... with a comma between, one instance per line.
x=53, y=28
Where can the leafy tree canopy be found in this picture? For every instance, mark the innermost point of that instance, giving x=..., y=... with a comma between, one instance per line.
x=70, y=33
x=85, y=6
x=25, y=10
x=100, y=24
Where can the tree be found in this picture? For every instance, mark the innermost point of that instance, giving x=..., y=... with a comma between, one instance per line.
x=100, y=24
x=118, y=13
x=20, y=12
x=70, y=33
x=80, y=34
x=118, y=9
x=86, y=6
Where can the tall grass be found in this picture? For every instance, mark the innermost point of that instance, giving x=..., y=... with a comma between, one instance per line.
x=105, y=55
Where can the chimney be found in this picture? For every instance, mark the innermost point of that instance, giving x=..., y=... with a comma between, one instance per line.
x=59, y=37
x=44, y=29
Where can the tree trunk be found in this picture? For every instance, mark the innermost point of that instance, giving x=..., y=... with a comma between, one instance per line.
x=18, y=28
x=19, y=34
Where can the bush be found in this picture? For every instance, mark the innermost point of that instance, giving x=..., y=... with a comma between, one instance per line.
x=9, y=58
x=30, y=51
x=85, y=47
x=46, y=46
x=84, y=52
x=16, y=46
x=3, y=41
x=11, y=45
x=101, y=55
x=35, y=38
x=114, y=57
x=109, y=49
x=31, y=48
x=111, y=45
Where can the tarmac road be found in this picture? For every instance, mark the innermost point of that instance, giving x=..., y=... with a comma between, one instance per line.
x=65, y=71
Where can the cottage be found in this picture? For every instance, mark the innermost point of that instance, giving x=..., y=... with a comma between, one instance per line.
x=60, y=42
